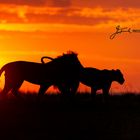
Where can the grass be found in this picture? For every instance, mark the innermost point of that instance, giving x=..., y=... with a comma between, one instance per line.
x=54, y=117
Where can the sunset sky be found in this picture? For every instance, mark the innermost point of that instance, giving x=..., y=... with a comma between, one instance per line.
x=30, y=29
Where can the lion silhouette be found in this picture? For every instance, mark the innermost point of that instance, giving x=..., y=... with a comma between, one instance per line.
x=100, y=79
x=62, y=71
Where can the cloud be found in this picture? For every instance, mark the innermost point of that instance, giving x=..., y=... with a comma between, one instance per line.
x=107, y=3
x=76, y=3
x=24, y=2
x=98, y=17
x=85, y=16
x=54, y=3
x=61, y=3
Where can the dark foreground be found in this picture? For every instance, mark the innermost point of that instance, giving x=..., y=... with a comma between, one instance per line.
x=55, y=117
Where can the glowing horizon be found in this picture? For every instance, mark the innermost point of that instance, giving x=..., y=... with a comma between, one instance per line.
x=51, y=28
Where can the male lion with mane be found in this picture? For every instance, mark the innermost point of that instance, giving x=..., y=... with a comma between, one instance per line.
x=100, y=79
x=62, y=71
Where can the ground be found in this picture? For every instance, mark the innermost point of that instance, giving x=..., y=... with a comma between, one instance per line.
x=54, y=117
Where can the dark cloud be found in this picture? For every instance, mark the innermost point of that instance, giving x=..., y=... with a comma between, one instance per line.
x=64, y=19
x=61, y=3
x=55, y=3
x=24, y=2
x=66, y=13
x=80, y=3
x=107, y=3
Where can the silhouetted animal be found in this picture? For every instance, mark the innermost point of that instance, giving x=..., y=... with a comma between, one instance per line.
x=62, y=71
x=100, y=79
x=44, y=57
x=71, y=88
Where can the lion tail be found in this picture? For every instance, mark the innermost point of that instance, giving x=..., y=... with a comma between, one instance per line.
x=2, y=69
x=46, y=57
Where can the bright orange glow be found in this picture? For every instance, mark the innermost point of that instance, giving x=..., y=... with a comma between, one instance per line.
x=28, y=32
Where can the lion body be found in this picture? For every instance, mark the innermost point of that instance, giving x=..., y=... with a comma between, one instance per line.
x=100, y=79
x=61, y=72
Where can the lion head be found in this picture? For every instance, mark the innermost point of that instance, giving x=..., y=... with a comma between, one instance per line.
x=117, y=74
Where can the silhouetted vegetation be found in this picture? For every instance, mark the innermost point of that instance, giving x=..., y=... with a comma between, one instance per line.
x=54, y=117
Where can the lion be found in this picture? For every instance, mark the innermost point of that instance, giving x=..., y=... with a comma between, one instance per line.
x=100, y=79
x=62, y=71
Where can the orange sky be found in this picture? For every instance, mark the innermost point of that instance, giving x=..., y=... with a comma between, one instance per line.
x=30, y=29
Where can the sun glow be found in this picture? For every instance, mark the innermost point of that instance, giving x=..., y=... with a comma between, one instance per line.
x=29, y=31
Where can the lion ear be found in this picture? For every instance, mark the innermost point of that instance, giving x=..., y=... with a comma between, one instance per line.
x=118, y=70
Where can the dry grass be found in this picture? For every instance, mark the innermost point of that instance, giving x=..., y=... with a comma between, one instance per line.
x=80, y=117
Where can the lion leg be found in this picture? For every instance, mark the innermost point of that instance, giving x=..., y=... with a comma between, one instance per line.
x=42, y=89
x=93, y=92
x=64, y=89
x=106, y=93
x=7, y=86
x=106, y=90
x=74, y=88
x=6, y=89
x=16, y=86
